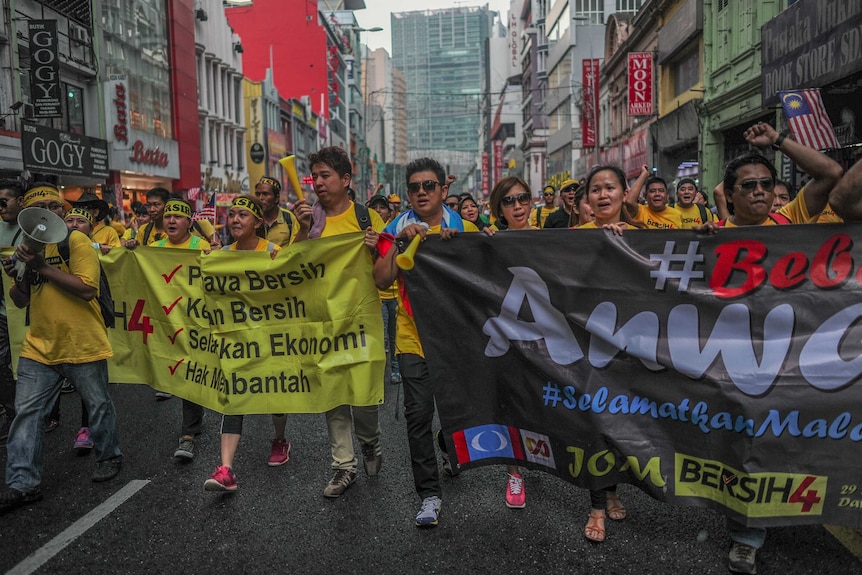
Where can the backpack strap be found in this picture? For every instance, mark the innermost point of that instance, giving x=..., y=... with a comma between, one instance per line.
x=779, y=218
x=539, y=217
x=195, y=242
x=362, y=215
x=161, y=243
x=704, y=218
x=148, y=230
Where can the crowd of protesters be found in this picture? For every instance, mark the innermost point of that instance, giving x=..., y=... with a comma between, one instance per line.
x=749, y=194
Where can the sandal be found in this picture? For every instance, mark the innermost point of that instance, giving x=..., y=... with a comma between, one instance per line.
x=616, y=511
x=595, y=528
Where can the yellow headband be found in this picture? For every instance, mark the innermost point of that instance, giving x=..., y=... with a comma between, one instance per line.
x=41, y=193
x=80, y=212
x=276, y=185
x=178, y=208
x=247, y=204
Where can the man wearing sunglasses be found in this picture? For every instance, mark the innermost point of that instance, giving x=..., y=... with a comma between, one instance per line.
x=540, y=215
x=749, y=184
x=560, y=218
x=11, y=203
x=427, y=189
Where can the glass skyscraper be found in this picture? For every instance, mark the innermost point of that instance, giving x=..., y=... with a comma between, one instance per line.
x=442, y=56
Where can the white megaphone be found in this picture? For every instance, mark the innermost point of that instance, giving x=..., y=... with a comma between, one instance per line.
x=40, y=227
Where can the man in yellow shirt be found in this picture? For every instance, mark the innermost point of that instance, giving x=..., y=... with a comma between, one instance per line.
x=656, y=214
x=334, y=213
x=540, y=214
x=749, y=184
x=279, y=225
x=692, y=214
x=427, y=191
x=66, y=335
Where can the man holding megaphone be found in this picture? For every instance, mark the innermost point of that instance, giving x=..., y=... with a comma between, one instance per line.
x=427, y=188
x=66, y=338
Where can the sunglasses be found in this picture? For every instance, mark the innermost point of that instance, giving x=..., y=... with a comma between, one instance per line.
x=549, y=194
x=522, y=198
x=427, y=185
x=5, y=202
x=748, y=186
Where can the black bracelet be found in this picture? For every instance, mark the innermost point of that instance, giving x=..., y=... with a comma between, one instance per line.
x=779, y=140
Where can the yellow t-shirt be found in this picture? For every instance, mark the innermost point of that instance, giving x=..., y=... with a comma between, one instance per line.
x=280, y=233
x=546, y=211
x=796, y=211
x=691, y=216
x=105, y=235
x=828, y=216
x=64, y=328
x=593, y=226
x=262, y=246
x=406, y=334
x=165, y=242
x=667, y=219
x=119, y=228
x=346, y=223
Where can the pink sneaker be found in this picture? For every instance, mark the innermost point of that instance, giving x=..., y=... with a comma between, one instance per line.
x=280, y=453
x=222, y=479
x=516, y=498
x=82, y=440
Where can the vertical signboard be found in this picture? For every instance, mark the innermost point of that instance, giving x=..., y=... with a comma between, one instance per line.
x=498, y=160
x=486, y=175
x=640, y=84
x=44, y=69
x=590, y=112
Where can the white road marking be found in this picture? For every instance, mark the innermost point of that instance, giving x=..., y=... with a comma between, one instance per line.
x=78, y=528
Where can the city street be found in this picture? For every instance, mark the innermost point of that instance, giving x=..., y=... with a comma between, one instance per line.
x=279, y=522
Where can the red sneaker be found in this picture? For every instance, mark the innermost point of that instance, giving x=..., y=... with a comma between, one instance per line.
x=280, y=453
x=516, y=498
x=223, y=479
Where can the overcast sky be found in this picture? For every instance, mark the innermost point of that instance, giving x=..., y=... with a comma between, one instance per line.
x=378, y=11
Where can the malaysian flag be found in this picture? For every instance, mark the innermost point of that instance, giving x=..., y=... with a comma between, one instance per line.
x=807, y=118
x=208, y=212
x=194, y=193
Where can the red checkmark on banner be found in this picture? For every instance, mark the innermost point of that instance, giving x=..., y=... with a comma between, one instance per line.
x=170, y=276
x=170, y=308
x=176, y=366
x=173, y=338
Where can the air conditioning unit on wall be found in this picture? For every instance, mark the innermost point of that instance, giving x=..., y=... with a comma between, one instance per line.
x=80, y=35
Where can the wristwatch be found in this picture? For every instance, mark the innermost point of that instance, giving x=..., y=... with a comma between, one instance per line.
x=779, y=140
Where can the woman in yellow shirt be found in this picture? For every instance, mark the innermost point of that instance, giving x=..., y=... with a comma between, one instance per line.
x=244, y=218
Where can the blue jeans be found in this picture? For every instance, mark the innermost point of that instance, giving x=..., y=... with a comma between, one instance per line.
x=751, y=536
x=390, y=307
x=37, y=390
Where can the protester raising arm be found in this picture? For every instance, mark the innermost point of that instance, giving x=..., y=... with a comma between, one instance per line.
x=824, y=171
x=846, y=196
x=633, y=194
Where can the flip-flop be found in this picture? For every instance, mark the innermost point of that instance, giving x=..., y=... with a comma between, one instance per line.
x=593, y=527
x=616, y=510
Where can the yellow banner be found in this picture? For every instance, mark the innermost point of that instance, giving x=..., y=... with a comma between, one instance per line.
x=241, y=333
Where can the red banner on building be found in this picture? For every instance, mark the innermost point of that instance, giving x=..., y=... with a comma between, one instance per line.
x=498, y=160
x=590, y=110
x=486, y=174
x=640, y=84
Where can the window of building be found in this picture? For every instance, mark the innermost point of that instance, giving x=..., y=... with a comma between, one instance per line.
x=560, y=27
x=136, y=45
x=629, y=5
x=686, y=71
x=590, y=11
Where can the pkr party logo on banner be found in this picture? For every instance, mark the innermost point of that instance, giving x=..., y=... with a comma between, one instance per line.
x=640, y=84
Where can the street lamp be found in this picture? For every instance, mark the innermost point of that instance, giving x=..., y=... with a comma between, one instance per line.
x=359, y=30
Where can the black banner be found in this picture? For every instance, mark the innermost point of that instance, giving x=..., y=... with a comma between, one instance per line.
x=49, y=151
x=719, y=371
x=45, y=89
